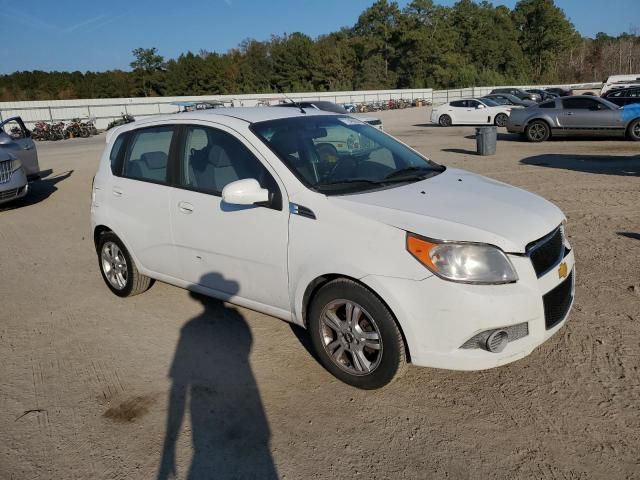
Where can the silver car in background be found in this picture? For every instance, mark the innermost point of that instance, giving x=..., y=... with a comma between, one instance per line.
x=576, y=115
x=18, y=159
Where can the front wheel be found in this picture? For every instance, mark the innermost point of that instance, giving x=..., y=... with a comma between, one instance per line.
x=634, y=131
x=537, y=131
x=355, y=335
x=118, y=270
x=501, y=119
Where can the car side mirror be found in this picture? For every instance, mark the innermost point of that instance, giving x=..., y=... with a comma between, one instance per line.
x=480, y=107
x=245, y=192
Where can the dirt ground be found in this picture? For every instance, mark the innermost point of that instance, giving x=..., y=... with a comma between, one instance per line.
x=93, y=386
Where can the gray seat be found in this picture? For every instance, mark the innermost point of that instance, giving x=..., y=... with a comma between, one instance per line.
x=150, y=166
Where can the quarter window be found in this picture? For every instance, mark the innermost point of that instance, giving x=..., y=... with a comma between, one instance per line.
x=550, y=104
x=212, y=159
x=116, y=152
x=148, y=155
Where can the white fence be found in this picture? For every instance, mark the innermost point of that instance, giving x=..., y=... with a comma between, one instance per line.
x=105, y=110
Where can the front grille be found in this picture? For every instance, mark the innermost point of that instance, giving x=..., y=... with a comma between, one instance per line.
x=479, y=340
x=557, y=302
x=546, y=252
x=9, y=194
x=5, y=171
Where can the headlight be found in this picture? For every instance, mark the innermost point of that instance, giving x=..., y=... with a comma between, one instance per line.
x=463, y=262
x=16, y=164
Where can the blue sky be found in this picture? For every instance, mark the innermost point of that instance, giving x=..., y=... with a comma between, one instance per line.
x=99, y=35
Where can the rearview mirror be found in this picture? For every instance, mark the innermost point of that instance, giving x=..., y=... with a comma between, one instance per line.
x=245, y=192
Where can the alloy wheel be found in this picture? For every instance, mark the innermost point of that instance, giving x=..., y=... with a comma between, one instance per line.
x=114, y=265
x=537, y=132
x=350, y=337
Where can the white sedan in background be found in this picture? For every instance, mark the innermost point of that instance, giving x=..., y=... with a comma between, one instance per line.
x=470, y=111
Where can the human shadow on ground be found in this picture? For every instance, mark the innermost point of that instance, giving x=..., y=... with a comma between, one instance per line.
x=212, y=379
x=626, y=166
x=632, y=235
x=39, y=189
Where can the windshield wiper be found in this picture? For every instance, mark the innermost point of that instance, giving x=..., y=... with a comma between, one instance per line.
x=409, y=173
x=348, y=181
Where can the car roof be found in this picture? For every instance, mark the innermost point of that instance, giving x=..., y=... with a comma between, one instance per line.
x=248, y=114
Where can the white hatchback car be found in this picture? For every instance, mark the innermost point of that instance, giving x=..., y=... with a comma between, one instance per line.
x=471, y=111
x=383, y=255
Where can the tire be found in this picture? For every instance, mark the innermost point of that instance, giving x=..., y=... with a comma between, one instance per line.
x=444, y=120
x=633, y=132
x=501, y=120
x=334, y=338
x=123, y=282
x=537, y=131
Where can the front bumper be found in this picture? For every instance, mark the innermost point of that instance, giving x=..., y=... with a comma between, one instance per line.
x=515, y=127
x=438, y=317
x=15, y=188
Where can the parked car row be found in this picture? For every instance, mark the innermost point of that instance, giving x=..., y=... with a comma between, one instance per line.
x=560, y=116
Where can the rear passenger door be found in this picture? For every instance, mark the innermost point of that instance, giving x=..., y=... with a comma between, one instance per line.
x=139, y=209
x=234, y=250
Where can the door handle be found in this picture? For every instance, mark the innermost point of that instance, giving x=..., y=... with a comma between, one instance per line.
x=570, y=113
x=28, y=147
x=185, y=207
x=117, y=192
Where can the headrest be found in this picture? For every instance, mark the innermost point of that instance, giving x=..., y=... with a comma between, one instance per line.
x=285, y=142
x=154, y=160
x=218, y=157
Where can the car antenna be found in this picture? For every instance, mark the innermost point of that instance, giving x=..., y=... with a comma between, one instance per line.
x=290, y=99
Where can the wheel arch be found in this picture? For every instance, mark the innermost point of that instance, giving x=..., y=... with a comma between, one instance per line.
x=317, y=283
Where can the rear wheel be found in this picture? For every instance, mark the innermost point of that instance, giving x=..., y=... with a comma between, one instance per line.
x=634, y=130
x=537, y=131
x=355, y=335
x=501, y=119
x=444, y=121
x=118, y=270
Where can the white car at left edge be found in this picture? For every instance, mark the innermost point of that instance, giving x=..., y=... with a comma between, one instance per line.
x=470, y=111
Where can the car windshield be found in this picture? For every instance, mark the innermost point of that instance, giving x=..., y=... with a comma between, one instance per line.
x=330, y=107
x=489, y=102
x=338, y=155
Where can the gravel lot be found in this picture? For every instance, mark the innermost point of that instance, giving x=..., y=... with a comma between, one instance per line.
x=86, y=376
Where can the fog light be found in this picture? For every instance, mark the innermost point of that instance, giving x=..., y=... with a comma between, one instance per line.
x=497, y=341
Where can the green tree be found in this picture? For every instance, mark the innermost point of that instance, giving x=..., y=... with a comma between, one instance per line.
x=147, y=62
x=544, y=32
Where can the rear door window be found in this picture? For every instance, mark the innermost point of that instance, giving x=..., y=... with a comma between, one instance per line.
x=147, y=157
x=549, y=104
x=459, y=103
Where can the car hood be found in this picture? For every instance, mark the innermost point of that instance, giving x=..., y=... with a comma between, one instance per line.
x=460, y=206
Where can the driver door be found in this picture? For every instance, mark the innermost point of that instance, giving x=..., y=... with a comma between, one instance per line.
x=19, y=143
x=586, y=115
x=235, y=250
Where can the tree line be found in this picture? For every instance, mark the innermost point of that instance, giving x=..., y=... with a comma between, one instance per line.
x=423, y=45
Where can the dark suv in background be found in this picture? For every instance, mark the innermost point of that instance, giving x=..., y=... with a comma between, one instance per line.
x=623, y=96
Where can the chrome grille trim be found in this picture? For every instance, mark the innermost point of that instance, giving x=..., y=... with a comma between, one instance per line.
x=5, y=171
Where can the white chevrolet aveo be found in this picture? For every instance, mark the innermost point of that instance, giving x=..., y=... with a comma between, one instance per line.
x=386, y=257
